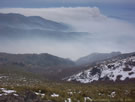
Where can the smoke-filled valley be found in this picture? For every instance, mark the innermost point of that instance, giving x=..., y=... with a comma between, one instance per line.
x=67, y=51
x=73, y=34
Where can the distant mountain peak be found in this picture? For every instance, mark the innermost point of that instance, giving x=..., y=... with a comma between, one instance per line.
x=16, y=26
x=17, y=20
x=93, y=57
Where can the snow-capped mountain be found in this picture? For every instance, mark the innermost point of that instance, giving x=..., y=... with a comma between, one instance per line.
x=115, y=69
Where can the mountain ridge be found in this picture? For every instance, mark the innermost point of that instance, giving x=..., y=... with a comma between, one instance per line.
x=34, y=59
x=119, y=68
x=17, y=26
x=15, y=19
x=95, y=57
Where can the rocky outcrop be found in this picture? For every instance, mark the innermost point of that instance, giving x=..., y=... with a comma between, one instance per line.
x=114, y=70
x=24, y=97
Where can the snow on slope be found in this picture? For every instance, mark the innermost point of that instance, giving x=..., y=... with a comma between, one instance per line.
x=114, y=69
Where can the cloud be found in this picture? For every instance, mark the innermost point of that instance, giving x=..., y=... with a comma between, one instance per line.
x=106, y=34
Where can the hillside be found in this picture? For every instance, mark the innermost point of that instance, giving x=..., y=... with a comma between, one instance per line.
x=95, y=57
x=24, y=79
x=119, y=68
x=40, y=60
x=45, y=65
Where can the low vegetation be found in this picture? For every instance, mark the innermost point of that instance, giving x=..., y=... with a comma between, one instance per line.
x=66, y=92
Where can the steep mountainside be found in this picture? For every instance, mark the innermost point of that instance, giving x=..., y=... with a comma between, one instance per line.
x=120, y=68
x=94, y=57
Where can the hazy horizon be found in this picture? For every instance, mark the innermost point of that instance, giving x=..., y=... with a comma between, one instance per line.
x=109, y=26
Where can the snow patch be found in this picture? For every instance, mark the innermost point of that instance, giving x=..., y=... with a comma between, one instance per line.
x=87, y=98
x=3, y=77
x=40, y=94
x=6, y=92
x=69, y=99
x=55, y=95
x=112, y=69
x=113, y=94
x=15, y=94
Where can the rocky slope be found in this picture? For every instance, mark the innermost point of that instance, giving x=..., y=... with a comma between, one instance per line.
x=119, y=68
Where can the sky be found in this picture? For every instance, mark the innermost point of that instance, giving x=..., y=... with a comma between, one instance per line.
x=110, y=24
x=117, y=8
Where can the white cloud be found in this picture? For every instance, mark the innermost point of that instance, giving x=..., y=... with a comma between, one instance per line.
x=106, y=34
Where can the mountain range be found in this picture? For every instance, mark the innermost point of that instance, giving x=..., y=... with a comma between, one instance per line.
x=17, y=26
x=113, y=69
x=95, y=67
